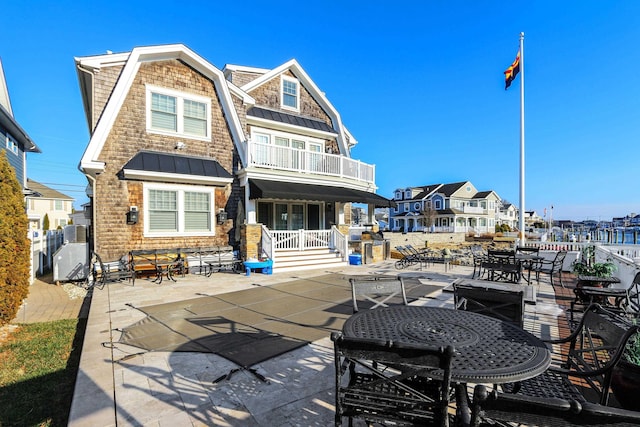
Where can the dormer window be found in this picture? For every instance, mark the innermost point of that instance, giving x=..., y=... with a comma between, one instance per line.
x=398, y=195
x=290, y=93
x=407, y=194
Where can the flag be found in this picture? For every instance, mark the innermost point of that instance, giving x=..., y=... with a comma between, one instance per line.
x=512, y=72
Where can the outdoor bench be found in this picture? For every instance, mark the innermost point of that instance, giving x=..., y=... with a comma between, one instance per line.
x=213, y=258
x=145, y=262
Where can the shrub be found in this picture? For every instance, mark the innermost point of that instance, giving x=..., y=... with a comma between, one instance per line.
x=14, y=245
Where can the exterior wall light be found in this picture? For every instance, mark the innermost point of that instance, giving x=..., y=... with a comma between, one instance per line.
x=221, y=217
x=132, y=215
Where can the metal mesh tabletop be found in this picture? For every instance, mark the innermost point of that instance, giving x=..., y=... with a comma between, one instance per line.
x=488, y=350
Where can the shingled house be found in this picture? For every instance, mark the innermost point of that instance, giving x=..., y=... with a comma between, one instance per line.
x=198, y=156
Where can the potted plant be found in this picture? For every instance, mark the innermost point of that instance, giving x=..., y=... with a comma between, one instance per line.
x=625, y=378
x=588, y=266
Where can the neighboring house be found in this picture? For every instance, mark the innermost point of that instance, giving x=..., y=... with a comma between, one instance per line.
x=82, y=217
x=507, y=214
x=532, y=220
x=46, y=201
x=456, y=207
x=13, y=139
x=185, y=155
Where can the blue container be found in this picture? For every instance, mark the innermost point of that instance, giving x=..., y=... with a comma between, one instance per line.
x=355, y=259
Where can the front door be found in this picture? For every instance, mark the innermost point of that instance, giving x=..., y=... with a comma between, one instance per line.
x=313, y=217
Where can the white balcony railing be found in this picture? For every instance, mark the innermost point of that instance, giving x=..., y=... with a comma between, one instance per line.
x=474, y=210
x=292, y=159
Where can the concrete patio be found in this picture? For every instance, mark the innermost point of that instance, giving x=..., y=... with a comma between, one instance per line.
x=123, y=385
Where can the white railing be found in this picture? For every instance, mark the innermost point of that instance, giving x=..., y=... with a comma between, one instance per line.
x=339, y=242
x=285, y=158
x=300, y=239
x=626, y=268
x=474, y=210
x=267, y=243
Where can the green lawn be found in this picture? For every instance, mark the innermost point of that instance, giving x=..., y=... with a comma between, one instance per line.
x=38, y=367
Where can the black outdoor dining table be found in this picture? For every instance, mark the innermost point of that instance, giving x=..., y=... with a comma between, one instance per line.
x=487, y=350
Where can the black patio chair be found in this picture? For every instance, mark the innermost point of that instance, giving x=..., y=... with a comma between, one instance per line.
x=377, y=291
x=594, y=349
x=409, y=258
x=551, y=267
x=419, y=395
x=493, y=408
x=503, y=266
x=113, y=271
x=496, y=303
x=479, y=258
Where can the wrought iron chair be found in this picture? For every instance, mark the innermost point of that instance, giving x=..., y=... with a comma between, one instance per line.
x=493, y=408
x=378, y=291
x=503, y=266
x=496, y=303
x=113, y=271
x=594, y=349
x=479, y=258
x=419, y=395
x=551, y=267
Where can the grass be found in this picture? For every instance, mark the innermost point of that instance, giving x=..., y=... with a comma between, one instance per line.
x=38, y=367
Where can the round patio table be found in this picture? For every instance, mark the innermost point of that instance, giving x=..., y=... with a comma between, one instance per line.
x=487, y=350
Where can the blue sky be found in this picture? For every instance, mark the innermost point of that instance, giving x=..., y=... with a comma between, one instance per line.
x=418, y=83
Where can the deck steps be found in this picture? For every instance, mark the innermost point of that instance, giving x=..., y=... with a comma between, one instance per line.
x=292, y=260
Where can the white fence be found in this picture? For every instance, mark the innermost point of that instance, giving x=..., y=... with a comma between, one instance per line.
x=43, y=246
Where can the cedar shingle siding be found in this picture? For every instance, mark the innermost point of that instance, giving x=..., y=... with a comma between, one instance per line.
x=128, y=136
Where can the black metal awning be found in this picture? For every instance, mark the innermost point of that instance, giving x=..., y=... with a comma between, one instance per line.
x=263, y=189
x=152, y=165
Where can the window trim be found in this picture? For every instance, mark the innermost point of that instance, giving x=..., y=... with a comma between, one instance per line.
x=180, y=189
x=11, y=144
x=284, y=78
x=180, y=98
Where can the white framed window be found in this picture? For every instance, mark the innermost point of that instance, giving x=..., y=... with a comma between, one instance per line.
x=290, y=93
x=398, y=195
x=406, y=207
x=170, y=112
x=438, y=204
x=11, y=144
x=416, y=207
x=58, y=205
x=407, y=194
x=178, y=210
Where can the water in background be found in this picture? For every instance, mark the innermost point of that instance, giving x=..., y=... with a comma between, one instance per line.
x=618, y=236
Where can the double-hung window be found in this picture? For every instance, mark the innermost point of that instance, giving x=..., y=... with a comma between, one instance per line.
x=11, y=144
x=172, y=210
x=171, y=112
x=290, y=93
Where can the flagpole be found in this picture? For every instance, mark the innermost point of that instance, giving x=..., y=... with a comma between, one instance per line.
x=522, y=206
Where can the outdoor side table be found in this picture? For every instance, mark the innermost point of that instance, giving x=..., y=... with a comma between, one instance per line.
x=266, y=266
x=590, y=289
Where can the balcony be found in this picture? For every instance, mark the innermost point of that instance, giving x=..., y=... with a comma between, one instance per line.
x=308, y=162
x=474, y=210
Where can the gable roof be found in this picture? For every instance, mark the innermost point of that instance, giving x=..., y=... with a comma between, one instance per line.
x=89, y=162
x=449, y=189
x=4, y=92
x=345, y=139
x=9, y=122
x=42, y=191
